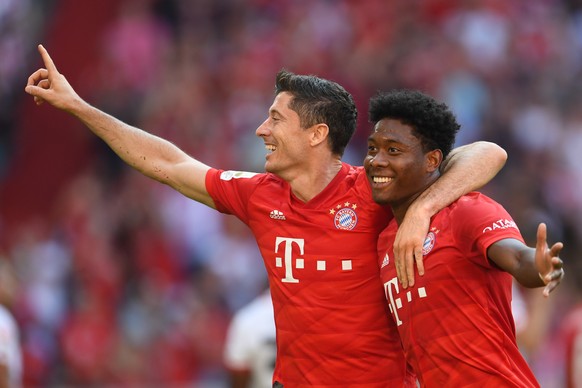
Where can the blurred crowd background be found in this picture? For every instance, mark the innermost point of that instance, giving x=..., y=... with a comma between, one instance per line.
x=123, y=282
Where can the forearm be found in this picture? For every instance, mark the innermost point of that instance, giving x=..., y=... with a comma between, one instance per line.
x=466, y=169
x=151, y=155
x=139, y=149
x=518, y=259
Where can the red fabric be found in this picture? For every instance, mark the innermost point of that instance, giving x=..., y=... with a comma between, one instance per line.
x=456, y=324
x=330, y=310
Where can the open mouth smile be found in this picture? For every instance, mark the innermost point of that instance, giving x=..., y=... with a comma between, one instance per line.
x=381, y=179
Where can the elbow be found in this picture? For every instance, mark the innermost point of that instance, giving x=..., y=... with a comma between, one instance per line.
x=498, y=154
x=501, y=154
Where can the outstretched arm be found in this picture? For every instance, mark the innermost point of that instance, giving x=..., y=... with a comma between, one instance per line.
x=467, y=168
x=531, y=267
x=151, y=155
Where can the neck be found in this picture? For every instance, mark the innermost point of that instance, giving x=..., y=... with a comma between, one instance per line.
x=305, y=186
x=400, y=208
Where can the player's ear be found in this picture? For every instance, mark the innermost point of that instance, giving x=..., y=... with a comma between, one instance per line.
x=319, y=133
x=434, y=159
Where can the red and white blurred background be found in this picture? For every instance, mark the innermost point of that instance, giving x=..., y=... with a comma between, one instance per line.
x=125, y=283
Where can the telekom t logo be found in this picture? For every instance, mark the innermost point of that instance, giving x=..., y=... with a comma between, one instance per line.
x=287, y=247
x=394, y=306
x=392, y=290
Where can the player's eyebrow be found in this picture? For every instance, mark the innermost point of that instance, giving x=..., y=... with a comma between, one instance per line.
x=275, y=112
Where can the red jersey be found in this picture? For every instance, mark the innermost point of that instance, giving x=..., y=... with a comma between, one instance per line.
x=456, y=324
x=330, y=311
x=572, y=336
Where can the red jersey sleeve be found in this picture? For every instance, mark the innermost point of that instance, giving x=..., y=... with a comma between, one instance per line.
x=231, y=190
x=480, y=222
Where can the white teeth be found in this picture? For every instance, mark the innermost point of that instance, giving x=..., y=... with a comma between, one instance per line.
x=270, y=148
x=382, y=179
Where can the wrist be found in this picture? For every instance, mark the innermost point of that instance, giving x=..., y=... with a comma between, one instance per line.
x=421, y=208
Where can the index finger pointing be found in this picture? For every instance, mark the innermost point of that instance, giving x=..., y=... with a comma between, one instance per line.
x=48, y=62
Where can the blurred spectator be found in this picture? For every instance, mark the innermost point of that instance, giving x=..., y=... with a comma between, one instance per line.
x=250, y=349
x=10, y=353
x=572, y=337
x=20, y=24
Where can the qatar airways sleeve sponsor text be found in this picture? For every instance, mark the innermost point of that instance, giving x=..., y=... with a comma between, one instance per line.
x=501, y=224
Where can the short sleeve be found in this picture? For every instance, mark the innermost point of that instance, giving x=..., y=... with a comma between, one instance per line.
x=480, y=222
x=231, y=190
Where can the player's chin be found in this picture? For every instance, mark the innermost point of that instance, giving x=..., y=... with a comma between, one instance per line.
x=270, y=167
x=379, y=197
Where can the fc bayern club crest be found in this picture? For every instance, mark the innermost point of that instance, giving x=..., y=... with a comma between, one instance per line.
x=428, y=243
x=345, y=219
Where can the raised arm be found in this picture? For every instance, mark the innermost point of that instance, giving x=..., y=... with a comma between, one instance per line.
x=467, y=168
x=531, y=267
x=151, y=155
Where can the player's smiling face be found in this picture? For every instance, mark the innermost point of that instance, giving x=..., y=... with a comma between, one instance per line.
x=286, y=142
x=397, y=168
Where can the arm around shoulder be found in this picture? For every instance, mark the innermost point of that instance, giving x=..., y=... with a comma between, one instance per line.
x=466, y=169
x=478, y=162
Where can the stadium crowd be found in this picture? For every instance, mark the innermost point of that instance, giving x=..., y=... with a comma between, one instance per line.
x=126, y=273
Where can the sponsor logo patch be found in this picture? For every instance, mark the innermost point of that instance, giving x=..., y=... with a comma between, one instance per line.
x=428, y=243
x=229, y=175
x=501, y=224
x=386, y=261
x=277, y=215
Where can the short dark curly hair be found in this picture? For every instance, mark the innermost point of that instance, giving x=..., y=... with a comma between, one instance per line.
x=317, y=100
x=433, y=122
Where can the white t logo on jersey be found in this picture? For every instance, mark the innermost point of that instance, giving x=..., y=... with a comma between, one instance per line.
x=287, y=259
x=392, y=291
x=395, y=304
